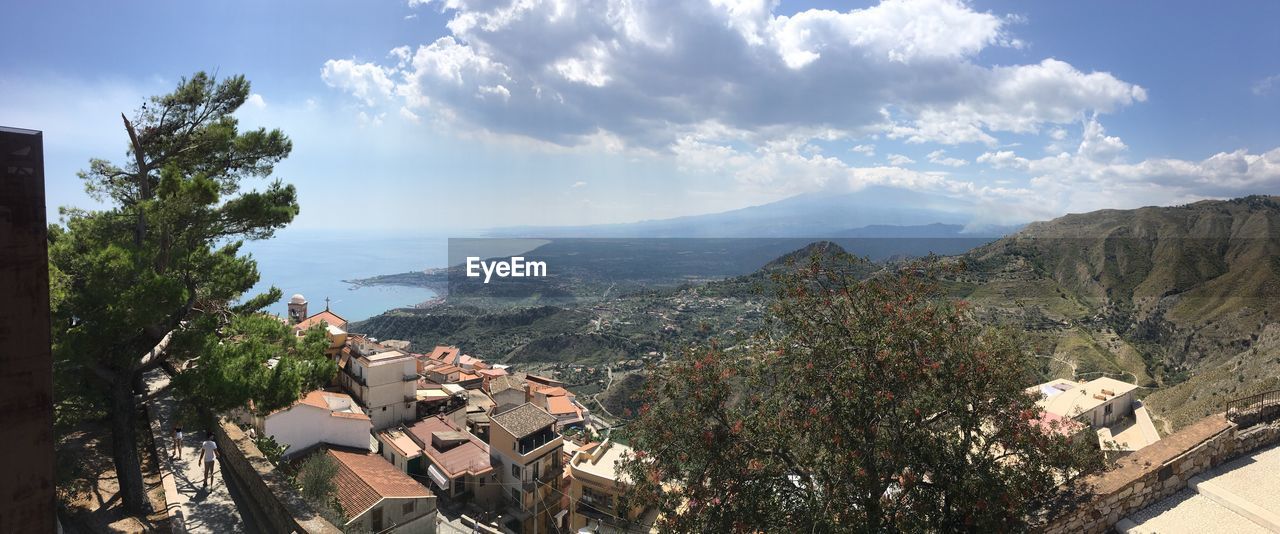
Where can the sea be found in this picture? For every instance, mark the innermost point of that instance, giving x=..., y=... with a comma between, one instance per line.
x=315, y=263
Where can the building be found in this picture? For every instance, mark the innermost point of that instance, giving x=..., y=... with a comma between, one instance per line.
x=456, y=461
x=377, y=497
x=1105, y=405
x=334, y=325
x=318, y=417
x=29, y=500
x=596, y=485
x=1097, y=403
x=384, y=382
x=507, y=389
x=526, y=453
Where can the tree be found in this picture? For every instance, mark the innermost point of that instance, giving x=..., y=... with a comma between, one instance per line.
x=870, y=405
x=315, y=480
x=154, y=276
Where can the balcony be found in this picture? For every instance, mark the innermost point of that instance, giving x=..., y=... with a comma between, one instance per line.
x=411, y=377
x=531, y=443
x=354, y=378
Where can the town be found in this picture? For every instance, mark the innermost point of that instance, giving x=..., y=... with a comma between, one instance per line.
x=440, y=441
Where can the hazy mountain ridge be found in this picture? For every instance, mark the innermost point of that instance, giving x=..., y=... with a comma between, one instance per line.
x=856, y=214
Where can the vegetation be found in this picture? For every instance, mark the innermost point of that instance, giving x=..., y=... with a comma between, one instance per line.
x=153, y=278
x=315, y=481
x=869, y=405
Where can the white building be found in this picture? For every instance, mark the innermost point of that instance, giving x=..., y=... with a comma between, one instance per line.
x=385, y=383
x=319, y=417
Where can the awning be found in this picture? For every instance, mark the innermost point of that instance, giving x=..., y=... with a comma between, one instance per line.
x=438, y=477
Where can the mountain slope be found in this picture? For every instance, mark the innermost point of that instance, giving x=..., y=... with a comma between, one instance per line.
x=1164, y=295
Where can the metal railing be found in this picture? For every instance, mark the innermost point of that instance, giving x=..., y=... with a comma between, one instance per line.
x=1266, y=406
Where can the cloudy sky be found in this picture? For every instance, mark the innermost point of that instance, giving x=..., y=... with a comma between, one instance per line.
x=437, y=115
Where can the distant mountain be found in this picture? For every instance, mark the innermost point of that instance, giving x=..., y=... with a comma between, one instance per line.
x=872, y=210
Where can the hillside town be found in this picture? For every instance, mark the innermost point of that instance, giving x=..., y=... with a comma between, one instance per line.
x=438, y=440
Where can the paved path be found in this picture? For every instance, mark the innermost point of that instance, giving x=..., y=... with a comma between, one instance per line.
x=215, y=508
x=1241, y=496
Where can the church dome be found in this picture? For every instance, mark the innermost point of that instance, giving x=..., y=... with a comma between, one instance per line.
x=297, y=299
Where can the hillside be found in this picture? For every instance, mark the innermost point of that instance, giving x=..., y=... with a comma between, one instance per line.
x=1179, y=300
x=1178, y=296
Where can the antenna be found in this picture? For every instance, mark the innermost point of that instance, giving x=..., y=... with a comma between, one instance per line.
x=326, y=304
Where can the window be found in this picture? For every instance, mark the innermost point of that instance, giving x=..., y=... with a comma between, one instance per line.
x=1106, y=410
x=515, y=470
x=376, y=518
x=408, y=508
x=384, y=408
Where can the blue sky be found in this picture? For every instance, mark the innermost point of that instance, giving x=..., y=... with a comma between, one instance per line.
x=438, y=116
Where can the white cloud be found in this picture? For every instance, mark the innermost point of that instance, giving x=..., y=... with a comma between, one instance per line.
x=409, y=115
x=940, y=157
x=1004, y=159
x=649, y=71
x=366, y=81
x=1097, y=175
x=256, y=101
x=578, y=184
x=868, y=150
x=899, y=160
x=1264, y=86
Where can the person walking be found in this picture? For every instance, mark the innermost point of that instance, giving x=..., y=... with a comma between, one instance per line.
x=177, y=441
x=208, y=452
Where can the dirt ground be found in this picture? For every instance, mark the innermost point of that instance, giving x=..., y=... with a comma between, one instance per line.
x=87, y=489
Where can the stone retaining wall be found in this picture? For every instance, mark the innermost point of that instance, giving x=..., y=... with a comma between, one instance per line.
x=1156, y=472
x=284, y=510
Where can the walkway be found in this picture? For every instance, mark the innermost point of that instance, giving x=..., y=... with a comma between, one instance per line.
x=214, y=509
x=1240, y=496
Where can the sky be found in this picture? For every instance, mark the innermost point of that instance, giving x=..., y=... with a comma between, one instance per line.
x=440, y=115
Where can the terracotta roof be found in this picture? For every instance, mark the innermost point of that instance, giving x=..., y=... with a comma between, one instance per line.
x=444, y=353
x=465, y=376
x=560, y=406
x=364, y=479
x=492, y=373
x=553, y=391
x=326, y=316
x=471, y=457
x=524, y=420
x=445, y=369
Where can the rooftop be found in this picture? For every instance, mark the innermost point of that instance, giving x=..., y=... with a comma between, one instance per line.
x=364, y=479
x=560, y=406
x=444, y=353
x=1069, y=399
x=523, y=420
x=602, y=460
x=338, y=404
x=505, y=382
x=466, y=455
x=391, y=356
x=326, y=316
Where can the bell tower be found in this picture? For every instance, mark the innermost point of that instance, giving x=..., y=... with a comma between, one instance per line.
x=297, y=309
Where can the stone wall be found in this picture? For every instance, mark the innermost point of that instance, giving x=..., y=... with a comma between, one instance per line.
x=284, y=510
x=1156, y=472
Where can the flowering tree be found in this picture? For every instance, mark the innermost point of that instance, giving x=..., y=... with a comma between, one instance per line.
x=868, y=405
